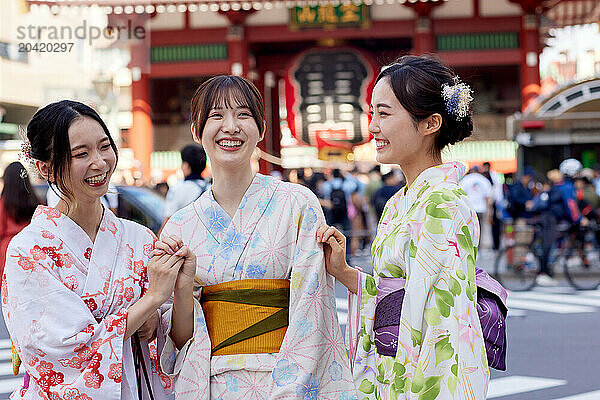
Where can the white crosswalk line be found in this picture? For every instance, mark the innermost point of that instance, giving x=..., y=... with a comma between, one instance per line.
x=9, y=385
x=6, y=354
x=557, y=298
x=548, y=307
x=4, y=343
x=583, y=396
x=520, y=384
x=6, y=369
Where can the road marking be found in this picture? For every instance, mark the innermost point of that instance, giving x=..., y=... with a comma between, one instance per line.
x=6, y=354
x=548, y=307
x=520, y=384
x=5, y=344
x=583, y=396
x=7, y=370
x=558, y=298
x=9, y=385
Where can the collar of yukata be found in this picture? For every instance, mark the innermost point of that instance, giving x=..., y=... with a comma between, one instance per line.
x=450, y=171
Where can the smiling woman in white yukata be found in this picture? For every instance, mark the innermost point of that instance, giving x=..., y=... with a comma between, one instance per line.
x=414, y=328
x=74, y=278
x=261, y=323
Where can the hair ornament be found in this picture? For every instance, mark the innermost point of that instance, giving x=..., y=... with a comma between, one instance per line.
x=457, y=98
x=25, y=153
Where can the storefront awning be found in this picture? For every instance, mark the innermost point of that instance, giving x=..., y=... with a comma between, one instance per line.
x=574, y=12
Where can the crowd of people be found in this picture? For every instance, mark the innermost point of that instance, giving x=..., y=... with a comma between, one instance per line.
x=568, y=195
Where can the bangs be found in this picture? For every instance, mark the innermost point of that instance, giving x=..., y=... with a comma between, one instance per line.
x=229, y=94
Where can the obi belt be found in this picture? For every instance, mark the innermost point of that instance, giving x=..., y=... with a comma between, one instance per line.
x=491, y=309
x=248, y=316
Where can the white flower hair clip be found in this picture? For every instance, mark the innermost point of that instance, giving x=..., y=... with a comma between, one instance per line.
x=25, y=153
x=457, y=98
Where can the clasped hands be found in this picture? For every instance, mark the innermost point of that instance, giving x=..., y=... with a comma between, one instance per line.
x=172, y=267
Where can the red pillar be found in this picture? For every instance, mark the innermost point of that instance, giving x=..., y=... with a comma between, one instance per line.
x=237, y=47
x=530, y=49
x=237, y=44
x=423, y=39
x=141, y=137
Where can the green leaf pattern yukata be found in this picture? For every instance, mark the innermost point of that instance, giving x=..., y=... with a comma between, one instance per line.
x=428, y=234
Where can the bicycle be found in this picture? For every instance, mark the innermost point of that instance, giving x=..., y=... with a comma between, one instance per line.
x=577, y=248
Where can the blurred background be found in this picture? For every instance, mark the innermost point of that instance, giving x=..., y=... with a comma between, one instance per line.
x=534, y=66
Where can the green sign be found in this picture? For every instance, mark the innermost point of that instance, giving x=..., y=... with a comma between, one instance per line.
x=329, y=16
x=195, y=52
x=477, y=41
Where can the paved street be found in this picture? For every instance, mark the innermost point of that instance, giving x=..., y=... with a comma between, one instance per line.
x=552, y=345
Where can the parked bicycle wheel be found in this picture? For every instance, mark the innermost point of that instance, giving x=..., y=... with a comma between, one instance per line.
x=516, y=267
x=582, y=262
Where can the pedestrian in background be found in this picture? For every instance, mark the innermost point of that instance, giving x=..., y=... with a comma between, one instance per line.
x=392, y=182
x=17, y=204
x=480, y=193
x=193, y=164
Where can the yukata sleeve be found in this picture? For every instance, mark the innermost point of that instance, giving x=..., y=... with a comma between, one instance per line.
x=312, y=361
x=64, y=349
x=441, y=352
x=189, y=367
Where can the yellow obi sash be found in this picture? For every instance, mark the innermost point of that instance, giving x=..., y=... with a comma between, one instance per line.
x=247, y=316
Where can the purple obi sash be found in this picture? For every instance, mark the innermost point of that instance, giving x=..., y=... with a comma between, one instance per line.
x=491, y=308
x=390, y=295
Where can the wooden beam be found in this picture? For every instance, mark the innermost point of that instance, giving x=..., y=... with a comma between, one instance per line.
x=481, y=57
x=189, y=69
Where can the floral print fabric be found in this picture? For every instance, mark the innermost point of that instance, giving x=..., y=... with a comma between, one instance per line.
x=428, y=235
x=271, y=236
x=65, y=302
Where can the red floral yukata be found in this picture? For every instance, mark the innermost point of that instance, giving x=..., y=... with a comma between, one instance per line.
x=65, y=301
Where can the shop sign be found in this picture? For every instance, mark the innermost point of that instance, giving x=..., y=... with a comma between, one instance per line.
x=329, y=16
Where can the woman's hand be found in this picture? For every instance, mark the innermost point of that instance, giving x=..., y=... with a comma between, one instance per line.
x=174, y=245
x=334, y=246
x=162, y=273
x=148, y=329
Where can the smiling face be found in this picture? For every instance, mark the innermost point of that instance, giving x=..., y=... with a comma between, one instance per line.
x=397, y=136
x=230, y=136
x=93, y=160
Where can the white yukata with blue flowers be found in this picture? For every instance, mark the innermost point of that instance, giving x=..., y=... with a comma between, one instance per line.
x=271, y=236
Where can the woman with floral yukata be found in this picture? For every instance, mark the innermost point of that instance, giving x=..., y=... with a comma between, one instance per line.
x=413, y=325
x=256, y=319
x=74, y=282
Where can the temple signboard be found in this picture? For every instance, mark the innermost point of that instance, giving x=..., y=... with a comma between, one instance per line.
x=329, y=16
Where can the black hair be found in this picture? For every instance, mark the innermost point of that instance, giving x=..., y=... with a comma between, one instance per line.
x=337, y=173
x=19, y=199
x=195, y=156
x=417, y=84
x=48, y=134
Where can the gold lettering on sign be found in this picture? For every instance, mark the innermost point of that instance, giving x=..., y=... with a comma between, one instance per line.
x=306, y=15
x=350, y=13
x=327, y=15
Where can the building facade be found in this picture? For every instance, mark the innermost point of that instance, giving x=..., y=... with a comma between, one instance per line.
x=314, y=62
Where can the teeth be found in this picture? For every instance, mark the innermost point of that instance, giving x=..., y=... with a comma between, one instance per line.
x=230, y=143
x=96, y=179
x=381, y=143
